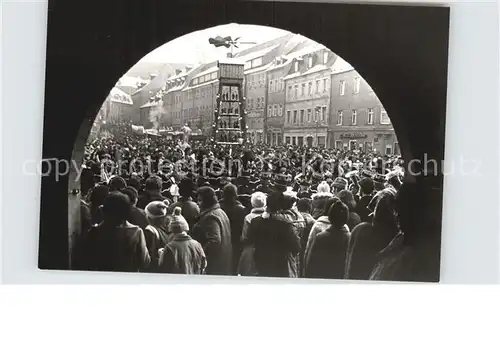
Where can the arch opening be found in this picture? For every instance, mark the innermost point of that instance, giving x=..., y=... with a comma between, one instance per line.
x=295, y=94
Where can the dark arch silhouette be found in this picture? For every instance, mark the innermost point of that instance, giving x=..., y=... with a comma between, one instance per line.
x=85, y=58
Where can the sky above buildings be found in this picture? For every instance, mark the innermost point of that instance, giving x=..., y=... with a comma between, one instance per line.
x=194, y=47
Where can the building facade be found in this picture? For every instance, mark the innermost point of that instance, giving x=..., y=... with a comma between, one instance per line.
x=199, y=97
x=255, y=89
x=307, y=97
x=359, y=121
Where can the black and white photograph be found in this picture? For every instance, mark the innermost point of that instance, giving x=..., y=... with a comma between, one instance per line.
x=245, y=139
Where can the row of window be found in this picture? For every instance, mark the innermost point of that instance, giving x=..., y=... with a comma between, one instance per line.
x=205, y=78
x=307, y=89
x=198, y=93
x=276, y=85
x=256, y=62
x=310, y=61
x=384, y=118
x=255, y=81
x=275, y=110
x=301, y=141
x=355, y=87
x=255, y=104
x=300, y=117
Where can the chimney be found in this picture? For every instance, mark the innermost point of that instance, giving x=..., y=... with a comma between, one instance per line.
x=178, y=71
x=229, y=55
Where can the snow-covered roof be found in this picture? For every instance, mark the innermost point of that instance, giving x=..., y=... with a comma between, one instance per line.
x=341, y=66
x=304, y=51
x=151, y=104
x=207, y=71
x=258, y=69
x=316, y=68
x=200, y=85
x=117, y=95
x=132, y=82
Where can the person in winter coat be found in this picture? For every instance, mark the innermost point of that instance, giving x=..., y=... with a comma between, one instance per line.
x=137, y=215
x=213, y=232
x=414, y=254
x=182, y=254
x=152, y=192
x=348, y=199
x=236, y=213
x=369, y=239
x=327, y=256
x=190, y=209
x=366, y=188
x=246, y=266
x=274, y=240
x=320, y=198
x=321, y=224
x=156, y=233
x=304, y=207
x=114, y=245
x=97, y=196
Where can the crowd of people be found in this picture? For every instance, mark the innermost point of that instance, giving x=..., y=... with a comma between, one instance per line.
x=156, y=205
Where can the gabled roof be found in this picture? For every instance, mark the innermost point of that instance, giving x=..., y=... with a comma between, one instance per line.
x=258, y=69
x=117, y=95
x=151, y=104
x=341, y=66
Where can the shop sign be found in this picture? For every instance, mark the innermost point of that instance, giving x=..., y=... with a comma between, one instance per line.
x=353, y=136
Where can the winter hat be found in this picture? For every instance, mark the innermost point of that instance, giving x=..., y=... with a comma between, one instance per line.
x=323, y=187
x=178, y=224
x=117, y=183
x=156, y=209
x=340, y=183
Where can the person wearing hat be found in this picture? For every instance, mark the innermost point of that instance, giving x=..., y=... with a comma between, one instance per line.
x=156, y=233
x=189, y=208
x=116, y=183
x=368, y=239
x=304, y=189
x=327, y=255
x=319, y=199
x=213, y=231
x=280, y=183
x=137, y=215
x=366, y=189
x=275, y=242
x=246, y=265
x=114, y=245
x=236, y=213
x=152, y=192
x=182, y=254
x=339, y=184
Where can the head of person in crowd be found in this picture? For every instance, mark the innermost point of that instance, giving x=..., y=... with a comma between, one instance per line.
x=304, y=185
x=328, y=204
x=384, y=208
x=275, y=201
x=156, y=213
x=304, y=205
x=135, y=183
x=206, y=197
x=98, y=194
x=153, y=185
x=393, y=179
x=366, y=187
x=116, y=209
x=258, y=200
x=323, y=188
x=132, y=194
x=178, y=223
x=339, y=184
x=230, y=193
x=117, y=183
x=338, y=214
x=186, y=187
x=347, y=198
x=289, y=200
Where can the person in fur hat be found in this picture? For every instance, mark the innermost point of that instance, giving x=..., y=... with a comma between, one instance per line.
x=182, y=254
x=156, y=233
x=320, y=198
